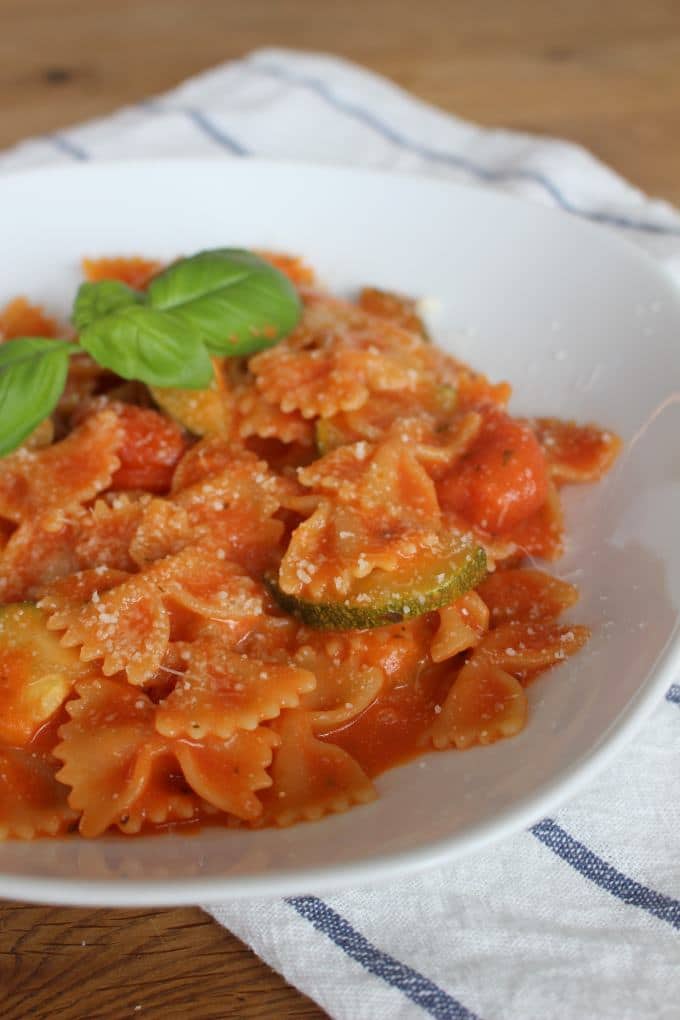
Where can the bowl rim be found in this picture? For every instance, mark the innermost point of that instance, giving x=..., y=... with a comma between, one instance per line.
x=603, y=231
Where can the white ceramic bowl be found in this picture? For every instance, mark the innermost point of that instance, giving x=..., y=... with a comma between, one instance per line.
x=581, y=323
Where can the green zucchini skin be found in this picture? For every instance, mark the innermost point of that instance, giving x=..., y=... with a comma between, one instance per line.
x=422, y=592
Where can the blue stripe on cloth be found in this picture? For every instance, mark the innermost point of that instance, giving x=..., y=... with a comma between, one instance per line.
x=452, y=159
x=419, y=989
x=202, y=122
x=65, y=145
x=673, y=694
x=605, y=875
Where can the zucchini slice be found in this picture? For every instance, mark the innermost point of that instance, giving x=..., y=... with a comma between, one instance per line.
x=199, y=411
x=36, y=672
x=203, y=412
x=385, y=597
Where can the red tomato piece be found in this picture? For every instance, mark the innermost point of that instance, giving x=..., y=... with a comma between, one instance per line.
x=503, y=478
x=151, y=448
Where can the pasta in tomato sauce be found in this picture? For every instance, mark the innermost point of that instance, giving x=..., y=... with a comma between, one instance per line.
x=239, y=605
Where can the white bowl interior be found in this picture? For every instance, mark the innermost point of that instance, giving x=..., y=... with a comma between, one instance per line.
x=582, y=324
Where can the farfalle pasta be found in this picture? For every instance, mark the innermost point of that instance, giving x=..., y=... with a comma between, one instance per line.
x=238, y=605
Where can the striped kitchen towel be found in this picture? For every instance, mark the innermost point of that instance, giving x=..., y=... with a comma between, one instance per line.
x=578, y=917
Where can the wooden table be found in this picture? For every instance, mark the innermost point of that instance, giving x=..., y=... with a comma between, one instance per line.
x=604, y=74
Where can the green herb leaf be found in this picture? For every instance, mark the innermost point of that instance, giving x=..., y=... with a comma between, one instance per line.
x=238, y=302
x=95, y=300
x=141, y=343
x=32, y=378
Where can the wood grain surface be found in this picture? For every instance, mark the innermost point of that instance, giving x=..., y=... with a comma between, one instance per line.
x=604, y=74
x=112, y=964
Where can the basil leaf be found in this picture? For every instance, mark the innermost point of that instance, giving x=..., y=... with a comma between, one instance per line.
x=142, y=343
x=238, y=302
x=32, y=378
x=95, y=300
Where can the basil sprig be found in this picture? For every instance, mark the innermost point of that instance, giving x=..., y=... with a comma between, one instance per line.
x=239, y=303
x=32, y=377
x=141, y=343
x=226, y=302
x=96, y=300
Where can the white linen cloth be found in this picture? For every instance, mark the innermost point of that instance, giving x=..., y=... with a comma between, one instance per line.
x=578, y=918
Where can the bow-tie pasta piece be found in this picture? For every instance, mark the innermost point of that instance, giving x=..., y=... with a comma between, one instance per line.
x=201, y=580
x=396, y=308
x=203, y=460
x=344, y=685
x=62, y=600
x=106, y=532
x=223, y=691
x=292, y=266
x=461, y=626
x=119, y=770
x=273, y=639
x=70, y=472
x=368, y=477
x=238, y=478
x=484, y=704
x=36, y=673
x=41, y=550
x=158, y=792
x=335, y=359
x=21, y=318
x=32, y=801
x=311, y=778
x=576, y=453
x=127, y=628
x=522, y=648
x=525, y=594
x=424, y=422
x=164, y=529
x=255, y=416
x=474, y=389
x=380, y=509
x=132, y=270
x=228, y=773
x=440, y=446
x=235, y=510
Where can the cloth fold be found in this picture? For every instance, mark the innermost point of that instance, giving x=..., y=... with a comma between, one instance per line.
x=580, y=916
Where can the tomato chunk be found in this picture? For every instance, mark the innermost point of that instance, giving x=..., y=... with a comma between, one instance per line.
x=151, y=449
x=503, y=478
